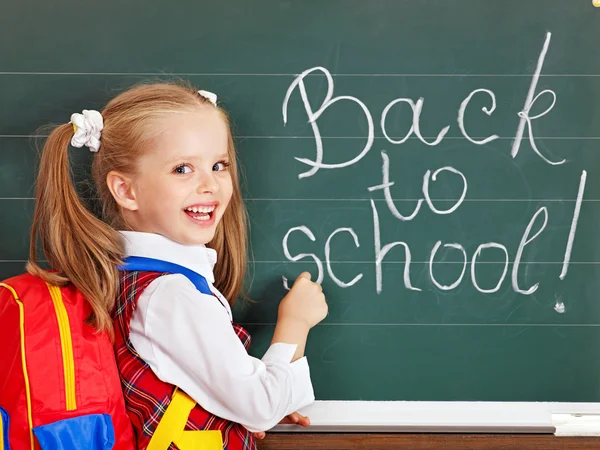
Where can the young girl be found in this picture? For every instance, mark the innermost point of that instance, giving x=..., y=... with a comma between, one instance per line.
x=165, y=170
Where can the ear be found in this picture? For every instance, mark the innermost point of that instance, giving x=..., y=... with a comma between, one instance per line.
x=122, y=189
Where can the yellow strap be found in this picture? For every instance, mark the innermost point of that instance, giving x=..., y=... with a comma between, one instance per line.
x=23, y=360
x=66, y=345
x=200, y=440
x=172, y=423
x=1, y=434
x=170, y=429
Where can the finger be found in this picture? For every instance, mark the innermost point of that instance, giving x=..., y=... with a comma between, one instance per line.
x=303, y=421
x=260, y=435
x=291, y=418
x=299, y=419
x=304, y=275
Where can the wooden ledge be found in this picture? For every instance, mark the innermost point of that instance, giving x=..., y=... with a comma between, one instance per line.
x=294, y=441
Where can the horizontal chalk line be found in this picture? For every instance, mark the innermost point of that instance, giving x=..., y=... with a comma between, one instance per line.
x=19, y=261
x=222, y=74
x=373, y=262
x=416, y=138
x=23, y=136
x=413, y=200
x=474, y=200
x=561, y=138
x=427, y=262
x=589, y=325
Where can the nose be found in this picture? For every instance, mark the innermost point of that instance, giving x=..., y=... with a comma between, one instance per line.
x=208, y=183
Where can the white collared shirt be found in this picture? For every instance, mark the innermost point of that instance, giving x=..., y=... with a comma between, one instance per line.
x=187, y=339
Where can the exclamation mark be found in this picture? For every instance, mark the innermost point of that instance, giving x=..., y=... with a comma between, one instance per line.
x=569, y=248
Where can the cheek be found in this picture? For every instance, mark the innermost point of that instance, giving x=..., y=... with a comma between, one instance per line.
x=227, y=189
x=154, y=196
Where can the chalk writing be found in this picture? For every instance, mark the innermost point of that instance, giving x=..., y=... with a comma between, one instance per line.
x=412, y=209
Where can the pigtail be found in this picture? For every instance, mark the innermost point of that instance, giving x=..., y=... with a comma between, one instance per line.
x=80, y=248
x=231, y=239
x=230, y=242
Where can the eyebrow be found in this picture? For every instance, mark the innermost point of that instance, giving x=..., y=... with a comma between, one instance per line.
x=184, y=157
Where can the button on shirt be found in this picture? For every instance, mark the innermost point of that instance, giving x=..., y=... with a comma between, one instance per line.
x=187, y=339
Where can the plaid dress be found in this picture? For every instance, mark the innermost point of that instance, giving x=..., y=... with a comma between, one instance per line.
x=147, y=397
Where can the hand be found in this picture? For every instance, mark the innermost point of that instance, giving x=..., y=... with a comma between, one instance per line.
x=294, y=418
x=305, y=303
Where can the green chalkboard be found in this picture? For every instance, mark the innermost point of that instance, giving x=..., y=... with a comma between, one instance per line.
x=508, y=306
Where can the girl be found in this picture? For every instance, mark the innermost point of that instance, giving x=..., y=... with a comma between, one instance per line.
x=165, y=170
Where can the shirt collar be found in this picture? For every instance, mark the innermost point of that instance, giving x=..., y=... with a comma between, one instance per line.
x=198, y=258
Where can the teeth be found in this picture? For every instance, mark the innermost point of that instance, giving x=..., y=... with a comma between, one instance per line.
x=202, y=209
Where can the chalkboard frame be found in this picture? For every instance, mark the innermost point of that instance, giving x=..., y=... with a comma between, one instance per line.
x=559, y=418
x=246, y=44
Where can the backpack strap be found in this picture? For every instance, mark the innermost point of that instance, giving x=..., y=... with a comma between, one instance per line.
x=4, y=434
x=158, y=265
x=170, y=428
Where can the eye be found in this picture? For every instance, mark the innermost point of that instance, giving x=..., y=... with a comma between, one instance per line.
x=182, y=169
x=220, y=166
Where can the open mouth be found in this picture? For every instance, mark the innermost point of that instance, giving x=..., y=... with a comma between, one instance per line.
x=201, y=213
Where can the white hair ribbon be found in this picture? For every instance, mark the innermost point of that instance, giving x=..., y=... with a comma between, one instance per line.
x=211, y=97
x=88, y=128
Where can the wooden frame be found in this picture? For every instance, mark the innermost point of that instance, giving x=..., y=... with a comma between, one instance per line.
x=376, y=441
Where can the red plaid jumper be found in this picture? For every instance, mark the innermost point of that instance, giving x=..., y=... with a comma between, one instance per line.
x=147, y=397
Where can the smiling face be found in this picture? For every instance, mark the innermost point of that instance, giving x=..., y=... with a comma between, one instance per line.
x=183, y=185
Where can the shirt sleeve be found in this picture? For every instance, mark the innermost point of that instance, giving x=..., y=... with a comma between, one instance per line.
x=187, y=339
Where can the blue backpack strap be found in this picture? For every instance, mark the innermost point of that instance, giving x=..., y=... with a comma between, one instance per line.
x=139, y=263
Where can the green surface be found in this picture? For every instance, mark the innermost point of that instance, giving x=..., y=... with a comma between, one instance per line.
x=57, y=58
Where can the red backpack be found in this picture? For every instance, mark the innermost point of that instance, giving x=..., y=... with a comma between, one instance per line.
x=59, y=384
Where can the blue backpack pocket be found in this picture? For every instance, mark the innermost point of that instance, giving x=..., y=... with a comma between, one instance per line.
x=4, y=422
x=90, y=432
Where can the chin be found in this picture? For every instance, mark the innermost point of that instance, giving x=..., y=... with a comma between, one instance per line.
x=196, y=241
x=204, y=239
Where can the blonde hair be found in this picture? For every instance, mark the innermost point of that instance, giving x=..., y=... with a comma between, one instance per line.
x=85, y=250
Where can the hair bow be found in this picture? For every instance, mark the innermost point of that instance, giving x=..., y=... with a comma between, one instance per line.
x=88, y=128
x=211, y=97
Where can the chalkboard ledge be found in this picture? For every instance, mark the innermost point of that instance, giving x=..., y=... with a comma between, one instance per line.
x=424, y=441
x=562, y=419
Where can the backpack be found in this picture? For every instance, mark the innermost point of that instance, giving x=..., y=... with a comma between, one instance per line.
x=59, y=383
